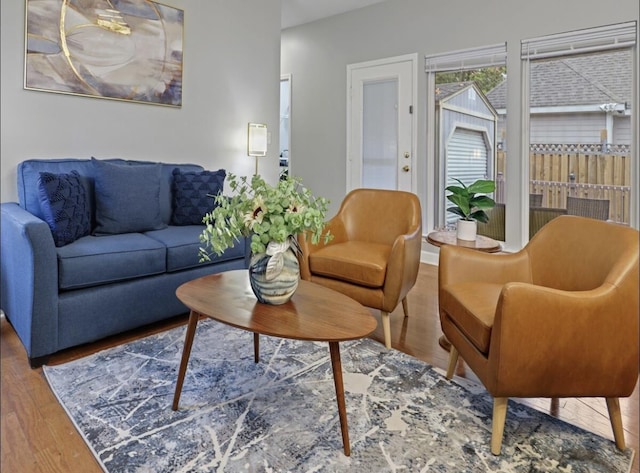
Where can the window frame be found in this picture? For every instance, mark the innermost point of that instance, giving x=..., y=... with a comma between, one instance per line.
x=452, y=61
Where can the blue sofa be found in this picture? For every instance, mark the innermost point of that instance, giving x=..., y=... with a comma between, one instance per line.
x=62, y=294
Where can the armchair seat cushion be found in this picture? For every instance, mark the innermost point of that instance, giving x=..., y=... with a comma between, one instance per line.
x=474, y=304
x=358, y=262
x=91, y=260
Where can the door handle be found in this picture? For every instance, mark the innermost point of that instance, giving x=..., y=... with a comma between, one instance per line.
x=405, y=168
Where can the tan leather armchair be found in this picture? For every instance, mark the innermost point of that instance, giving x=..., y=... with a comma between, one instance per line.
x=374, y=256
x=557, y=319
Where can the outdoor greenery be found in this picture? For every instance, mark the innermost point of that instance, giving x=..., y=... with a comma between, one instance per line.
x=486, y=78
x=468, y=204
x=263, y=212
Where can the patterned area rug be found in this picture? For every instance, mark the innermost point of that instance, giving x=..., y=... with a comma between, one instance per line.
x=280, y=415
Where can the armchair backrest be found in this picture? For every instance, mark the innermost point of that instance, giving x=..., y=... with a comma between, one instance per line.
x=378, y=215
x=580, y=254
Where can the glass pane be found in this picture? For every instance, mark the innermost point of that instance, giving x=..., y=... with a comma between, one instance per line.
x=380, y=134
x=470, y=135
x=580, y=137
x=467, y=159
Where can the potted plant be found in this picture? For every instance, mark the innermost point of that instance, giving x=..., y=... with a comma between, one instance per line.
x=470, y=206
x=272, y=217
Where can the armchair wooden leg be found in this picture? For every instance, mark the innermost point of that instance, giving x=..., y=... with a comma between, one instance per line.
x=453, y=361
x=499, y=418
x=613, y=405
x=405, y=307
x=386, y=327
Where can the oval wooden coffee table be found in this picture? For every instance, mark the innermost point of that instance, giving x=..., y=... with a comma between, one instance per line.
x=314, y=313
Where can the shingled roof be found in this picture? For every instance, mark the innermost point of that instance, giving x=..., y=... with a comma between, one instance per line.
x=448, y=89
x=592, y=79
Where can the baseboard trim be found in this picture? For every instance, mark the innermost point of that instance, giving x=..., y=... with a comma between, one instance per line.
x=428, y=257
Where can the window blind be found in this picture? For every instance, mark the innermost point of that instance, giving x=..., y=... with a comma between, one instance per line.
x=603, y=38
x=473, y=58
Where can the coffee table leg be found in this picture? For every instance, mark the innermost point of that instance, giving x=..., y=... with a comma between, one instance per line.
x=186, y=353
x=256, y=347
x=336, y=364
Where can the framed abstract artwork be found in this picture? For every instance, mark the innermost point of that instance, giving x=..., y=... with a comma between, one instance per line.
x=127, y=50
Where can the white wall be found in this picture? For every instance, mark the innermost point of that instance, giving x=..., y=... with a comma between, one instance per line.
x=231, y=77
x=317, y=55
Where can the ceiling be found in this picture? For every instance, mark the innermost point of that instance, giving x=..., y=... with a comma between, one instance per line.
x=298, y=12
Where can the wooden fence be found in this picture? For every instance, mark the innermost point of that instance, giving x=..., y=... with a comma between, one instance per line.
x=590, y=171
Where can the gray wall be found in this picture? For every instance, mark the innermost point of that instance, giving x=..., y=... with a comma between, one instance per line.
x=317, y=55
x=231, y=77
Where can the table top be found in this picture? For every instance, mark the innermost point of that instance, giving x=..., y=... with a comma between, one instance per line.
x=314, y=313
x=481, y=243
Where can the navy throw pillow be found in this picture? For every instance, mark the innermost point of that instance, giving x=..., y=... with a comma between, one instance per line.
x=194, y=194
x=65, y=206
x=127, y=197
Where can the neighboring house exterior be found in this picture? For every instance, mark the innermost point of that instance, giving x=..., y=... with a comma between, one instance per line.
x=577, y=99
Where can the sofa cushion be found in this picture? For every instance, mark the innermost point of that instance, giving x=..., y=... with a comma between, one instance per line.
x=357, y=262
x=90, y=261
x=127, y=197
x=29, y=172
x=183, y=243
x=194, y=195
x=64, y=203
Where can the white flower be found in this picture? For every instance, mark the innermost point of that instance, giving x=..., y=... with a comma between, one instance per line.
x=255, y=217
x=295, y=208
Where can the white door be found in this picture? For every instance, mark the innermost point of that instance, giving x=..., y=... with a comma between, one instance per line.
x=381, y=121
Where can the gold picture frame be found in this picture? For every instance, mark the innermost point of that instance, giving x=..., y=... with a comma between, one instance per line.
x=128, y=50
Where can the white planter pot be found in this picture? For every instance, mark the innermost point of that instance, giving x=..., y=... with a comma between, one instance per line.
x=467, y=230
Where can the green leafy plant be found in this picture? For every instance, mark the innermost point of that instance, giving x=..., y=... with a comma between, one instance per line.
x=263, y=212
x=468, y=204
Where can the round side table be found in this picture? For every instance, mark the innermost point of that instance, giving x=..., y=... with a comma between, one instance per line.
x=481, y=243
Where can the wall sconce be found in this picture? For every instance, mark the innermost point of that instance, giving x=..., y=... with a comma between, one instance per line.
x=257, y=141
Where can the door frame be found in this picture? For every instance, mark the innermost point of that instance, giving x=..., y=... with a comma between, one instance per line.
x=413, y=60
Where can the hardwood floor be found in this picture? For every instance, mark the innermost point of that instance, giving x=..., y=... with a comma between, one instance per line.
x=37, y=435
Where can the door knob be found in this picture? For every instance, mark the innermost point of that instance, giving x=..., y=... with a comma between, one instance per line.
x=405, y=168
x=407, y=154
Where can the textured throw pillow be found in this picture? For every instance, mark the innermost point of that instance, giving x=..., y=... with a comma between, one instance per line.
x=65, y=206
x=192, y=194
x=127, y=197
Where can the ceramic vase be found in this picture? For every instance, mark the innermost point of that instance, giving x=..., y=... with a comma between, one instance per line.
x=274, y=275
x=466, y=230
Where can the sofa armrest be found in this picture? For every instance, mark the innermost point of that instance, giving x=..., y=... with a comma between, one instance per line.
x=29, y=279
